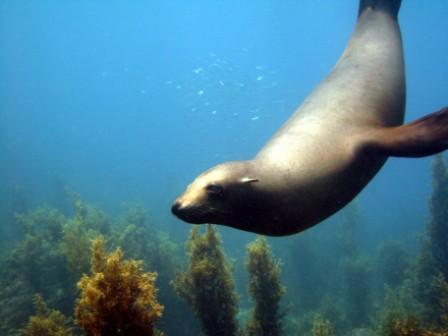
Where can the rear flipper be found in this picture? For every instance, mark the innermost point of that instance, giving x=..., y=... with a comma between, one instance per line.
x=423, y=137
x=390, y=6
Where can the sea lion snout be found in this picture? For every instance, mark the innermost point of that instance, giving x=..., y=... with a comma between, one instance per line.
x=188, y=213
x=180, y=210
x=176, y=208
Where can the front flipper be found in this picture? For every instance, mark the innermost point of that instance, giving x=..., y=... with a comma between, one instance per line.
x=423, y=137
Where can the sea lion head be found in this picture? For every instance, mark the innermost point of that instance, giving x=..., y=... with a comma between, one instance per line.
x=224, y=194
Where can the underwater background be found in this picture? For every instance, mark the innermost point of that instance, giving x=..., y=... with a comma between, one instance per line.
x=108, y=109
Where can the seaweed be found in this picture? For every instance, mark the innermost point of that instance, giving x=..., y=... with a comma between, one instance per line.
x=15, y=304
x=265, y=289
x=92, y=217
x=322, y=327
x=46, y=321
x=207, y=284
x=118, y=297
x=438, y=207
x=398, y=296
x=411, y=326
x=330, y=310
x=35, y=265
x=138, y=240
x=133, y=234
x=432, y=266
x=75, y=247
x=357, y=274
x=393, y=261
x=55, y=253
x=397, y=306
x=161, y=257
x=43, y=221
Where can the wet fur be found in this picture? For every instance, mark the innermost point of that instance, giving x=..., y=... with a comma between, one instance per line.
x=330, y=148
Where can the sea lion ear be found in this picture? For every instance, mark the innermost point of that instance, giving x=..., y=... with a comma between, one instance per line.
x=248, y=180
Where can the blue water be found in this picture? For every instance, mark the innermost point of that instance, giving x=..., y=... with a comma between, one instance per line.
x=130, y=100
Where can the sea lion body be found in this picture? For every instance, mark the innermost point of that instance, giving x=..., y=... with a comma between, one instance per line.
x=328, y=150
x=316, y=163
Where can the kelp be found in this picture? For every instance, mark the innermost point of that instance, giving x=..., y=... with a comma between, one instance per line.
x=392, y=263
x=399, y=295
x=136, y=236
x=322, y=327
x=265, y=289
x=437, y=229
x=35, y=265
x=411, y=326
x=55, y=253
x=207, y=284
x=356, y=272
x=46, y=321
x=432, y=267
x=43, y=221
x=118, y=297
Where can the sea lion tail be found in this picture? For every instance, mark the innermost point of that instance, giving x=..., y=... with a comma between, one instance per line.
x=422, y=137
x=390, y=6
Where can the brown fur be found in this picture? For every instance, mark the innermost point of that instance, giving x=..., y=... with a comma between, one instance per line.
x=330, y=148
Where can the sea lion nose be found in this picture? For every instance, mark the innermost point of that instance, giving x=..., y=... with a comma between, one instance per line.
x=176, y=208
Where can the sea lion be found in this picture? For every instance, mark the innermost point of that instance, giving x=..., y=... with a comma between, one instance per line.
x=330, y=148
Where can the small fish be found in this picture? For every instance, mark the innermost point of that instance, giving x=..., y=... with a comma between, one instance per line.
x=200, y=92
x=259, y=78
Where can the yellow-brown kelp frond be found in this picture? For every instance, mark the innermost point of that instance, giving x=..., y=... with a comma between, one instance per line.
x=118, y=298
x=411, y=327
x=46, y=322
x=207, y=285
x=322, y=327
x=265, y=289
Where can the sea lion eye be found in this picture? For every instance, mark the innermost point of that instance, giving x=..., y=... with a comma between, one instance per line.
x=214, y=189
